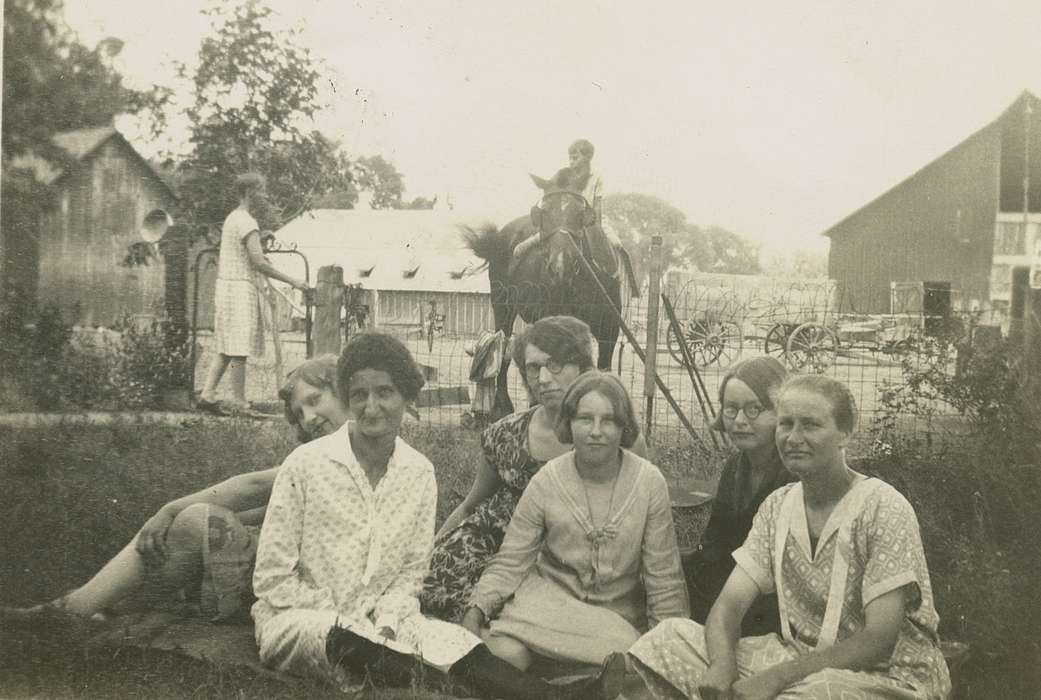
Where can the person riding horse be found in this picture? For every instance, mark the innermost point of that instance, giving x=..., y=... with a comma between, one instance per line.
x=579, y=179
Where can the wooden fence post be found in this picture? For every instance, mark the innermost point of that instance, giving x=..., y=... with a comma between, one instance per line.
x=1032, y=348
x=328, y=301
x=650, y=365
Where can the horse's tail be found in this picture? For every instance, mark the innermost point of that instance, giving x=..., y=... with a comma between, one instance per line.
x=487, y=242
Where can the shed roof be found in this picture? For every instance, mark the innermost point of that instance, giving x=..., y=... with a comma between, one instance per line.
x=379, y=248
x=80, y=144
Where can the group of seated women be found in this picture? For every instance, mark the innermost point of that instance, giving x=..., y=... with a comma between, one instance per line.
x=810, y=582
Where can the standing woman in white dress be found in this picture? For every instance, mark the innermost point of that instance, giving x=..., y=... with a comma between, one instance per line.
x=238, y=331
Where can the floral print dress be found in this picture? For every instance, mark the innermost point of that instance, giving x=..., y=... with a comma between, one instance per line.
x=459, y=558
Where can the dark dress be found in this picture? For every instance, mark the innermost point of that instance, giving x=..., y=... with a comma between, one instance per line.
x=459, y=558
x=728, y=526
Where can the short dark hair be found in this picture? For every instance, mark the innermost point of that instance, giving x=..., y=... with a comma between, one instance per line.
x=247, y=183
x=843, y=405
x=379, y=351
x=563, y=338
x=611, y=388
x=583, y=146
x=319, y=372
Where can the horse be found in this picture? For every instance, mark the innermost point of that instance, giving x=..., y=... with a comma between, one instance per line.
x=550, y=279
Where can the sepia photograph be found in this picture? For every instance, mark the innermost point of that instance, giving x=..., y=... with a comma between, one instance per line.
x=522, y=351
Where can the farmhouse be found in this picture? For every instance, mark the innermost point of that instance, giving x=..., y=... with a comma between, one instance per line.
x=402, y=259
x=955, y=233
x=96, y=210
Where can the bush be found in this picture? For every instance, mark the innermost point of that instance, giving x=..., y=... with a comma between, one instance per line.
x=148, y=363
x=977, y=493
x=45, y=366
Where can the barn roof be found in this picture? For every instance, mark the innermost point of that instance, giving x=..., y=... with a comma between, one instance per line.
x=416, y=250
x=1015, y=108
x=80, y=144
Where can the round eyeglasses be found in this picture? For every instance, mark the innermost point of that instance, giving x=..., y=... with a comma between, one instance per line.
x=532, y=369
x=751, y=411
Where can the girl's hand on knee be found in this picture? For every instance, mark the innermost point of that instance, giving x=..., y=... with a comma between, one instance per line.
x=717, y=682
x=762, y=686
x=151, y=540
x=473, y=621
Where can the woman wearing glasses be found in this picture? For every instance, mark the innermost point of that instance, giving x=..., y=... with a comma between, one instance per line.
x=750, y=474
x=551, y=353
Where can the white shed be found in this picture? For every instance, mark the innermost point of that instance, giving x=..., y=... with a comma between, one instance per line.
x=403, y=259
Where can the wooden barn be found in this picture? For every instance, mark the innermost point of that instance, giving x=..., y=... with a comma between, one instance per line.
x=954, y=233
x=403, y=260
x=96, y=212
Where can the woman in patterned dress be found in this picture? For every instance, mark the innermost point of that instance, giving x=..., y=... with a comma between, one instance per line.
x=844, y=553
x=238, y=330
x=551, y=353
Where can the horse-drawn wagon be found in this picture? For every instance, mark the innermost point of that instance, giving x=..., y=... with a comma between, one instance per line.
x=802, y=332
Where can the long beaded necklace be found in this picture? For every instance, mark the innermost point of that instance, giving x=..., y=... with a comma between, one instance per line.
x=599, y=535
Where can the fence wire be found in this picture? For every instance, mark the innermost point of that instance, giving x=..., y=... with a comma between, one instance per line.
x=722, y=319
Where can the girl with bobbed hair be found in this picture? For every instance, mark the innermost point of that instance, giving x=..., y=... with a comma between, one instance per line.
x=608, y=386
x=207, y=540
x=590, y=559
x=550, y=354
x=844, y=554
x=750, y=473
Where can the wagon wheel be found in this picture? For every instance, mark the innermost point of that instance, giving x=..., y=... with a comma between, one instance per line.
x=775, y=343
x=812, y=347
x=707, y=342
x=694, y=333
x=727, y=337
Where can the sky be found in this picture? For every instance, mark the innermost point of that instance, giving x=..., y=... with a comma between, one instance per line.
x=771, y=119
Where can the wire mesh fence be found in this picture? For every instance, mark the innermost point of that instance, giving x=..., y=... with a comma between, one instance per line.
x=720, y=318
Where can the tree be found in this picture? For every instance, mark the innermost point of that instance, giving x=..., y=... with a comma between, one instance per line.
x=635, y=218
x=729, y=253
x=255, y=93
x=52, y=83
x=376, y=180
x=420, y=203
x=380, y=180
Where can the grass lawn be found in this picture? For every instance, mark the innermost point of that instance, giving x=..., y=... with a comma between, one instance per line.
x=72, y=495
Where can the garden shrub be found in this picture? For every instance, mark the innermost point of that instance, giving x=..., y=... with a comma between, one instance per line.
x=45, y=365
x=977, y=493
x=149, y=362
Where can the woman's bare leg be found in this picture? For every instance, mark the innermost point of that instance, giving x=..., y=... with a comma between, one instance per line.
x=122, y=575
x=126, y=572
x=213, y=377
x=237, y=373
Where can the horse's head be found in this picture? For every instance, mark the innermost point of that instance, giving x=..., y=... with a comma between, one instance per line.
x=560, y=214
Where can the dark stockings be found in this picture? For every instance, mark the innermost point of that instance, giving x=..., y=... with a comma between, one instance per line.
x=489, y=675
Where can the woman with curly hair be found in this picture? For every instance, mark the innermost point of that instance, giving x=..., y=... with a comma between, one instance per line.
x=346, y=542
